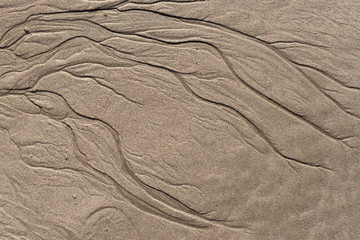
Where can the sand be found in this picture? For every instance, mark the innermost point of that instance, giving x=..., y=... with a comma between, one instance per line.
x=182, y=119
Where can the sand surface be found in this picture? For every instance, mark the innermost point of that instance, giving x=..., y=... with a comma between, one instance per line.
x=179, y=119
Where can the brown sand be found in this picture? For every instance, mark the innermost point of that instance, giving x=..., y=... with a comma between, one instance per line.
x=180, y=119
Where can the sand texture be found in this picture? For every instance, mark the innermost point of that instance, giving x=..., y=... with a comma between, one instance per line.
x=179, y=120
